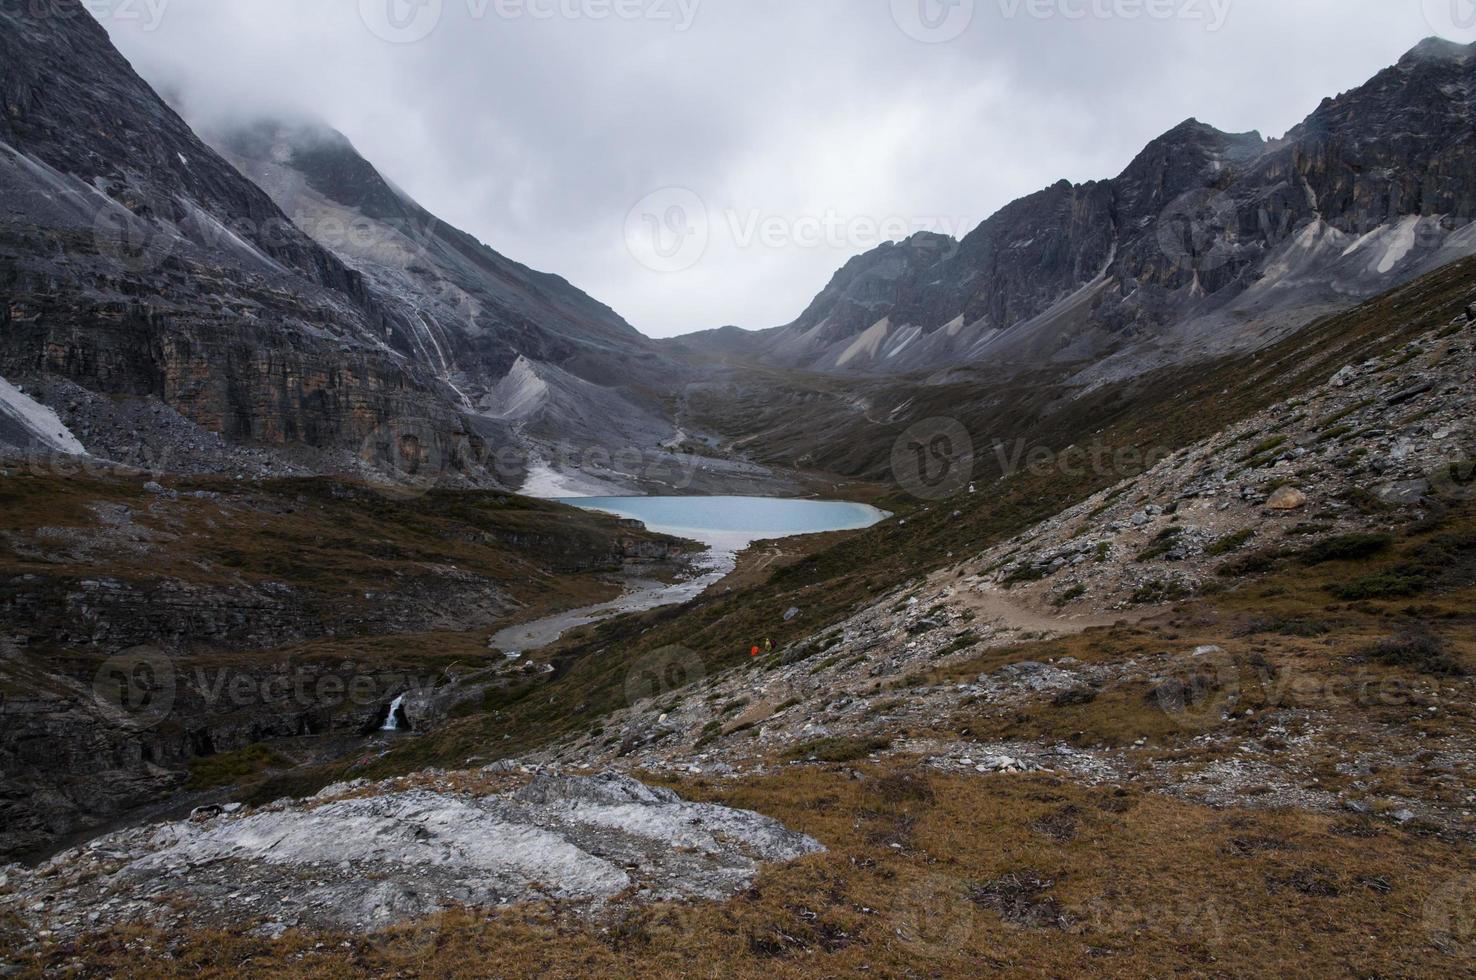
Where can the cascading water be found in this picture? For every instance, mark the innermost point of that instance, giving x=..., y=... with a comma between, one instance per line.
x=392, y=723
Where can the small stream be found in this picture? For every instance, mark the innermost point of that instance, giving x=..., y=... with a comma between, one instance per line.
x=727, y=525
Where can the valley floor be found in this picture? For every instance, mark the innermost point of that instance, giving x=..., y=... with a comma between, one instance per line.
x=1218, y=719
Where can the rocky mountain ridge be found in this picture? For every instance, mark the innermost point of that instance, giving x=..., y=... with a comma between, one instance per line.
x=137, y=263
x=1207, y=242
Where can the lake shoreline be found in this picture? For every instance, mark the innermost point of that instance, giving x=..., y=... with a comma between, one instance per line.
x=727, y=525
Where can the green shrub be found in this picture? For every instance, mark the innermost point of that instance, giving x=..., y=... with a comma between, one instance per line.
x=1161, y=545
x=228, y=768
x=1069, y=596
x=839, y=749
x=1160, y=590
x=1023, y=574
x=1333, y=420
x=1346, y=547
x=1422, y=651
x=1392, y=585
x=1253, y=564
x=1229, y=543
x=961, y=642
x=1308, y=628
x=1366, y=501
x=1264, y=447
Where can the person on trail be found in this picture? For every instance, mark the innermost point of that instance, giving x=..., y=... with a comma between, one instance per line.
x=768, y=646
x=755, y=652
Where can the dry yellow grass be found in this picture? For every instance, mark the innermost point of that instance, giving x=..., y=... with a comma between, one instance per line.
x=923, y=879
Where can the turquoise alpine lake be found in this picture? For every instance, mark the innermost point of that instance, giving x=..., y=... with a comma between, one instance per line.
x=726, y=525
x=735, y=522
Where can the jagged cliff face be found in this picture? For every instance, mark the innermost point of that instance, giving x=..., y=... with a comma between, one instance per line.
x=1207, y=241
x=137, y=262
x=346, y=330
x=487, y=326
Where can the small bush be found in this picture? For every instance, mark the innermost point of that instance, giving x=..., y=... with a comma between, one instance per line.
x=1253, y=564
x=1366, y=501
x=1346, y=547
x=1333, y=420
x=961, y=642
x=1262, y=448
x=1307, y=628
x=1024, y=574
x=1161, y=545
x=1421, y=651
x=228, y=768
x=1393, y=585
x=838, y=749
x=1069, y=596
x=1229, y=543
x=1160, y=590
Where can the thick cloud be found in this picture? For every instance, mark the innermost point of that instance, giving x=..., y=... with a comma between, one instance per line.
x=805, y=130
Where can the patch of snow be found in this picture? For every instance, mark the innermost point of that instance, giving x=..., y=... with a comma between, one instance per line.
x=868, y=343
x=546, y=483
x=1402, y=241
x=521, y=393
x=37, y=421
x=904, y=340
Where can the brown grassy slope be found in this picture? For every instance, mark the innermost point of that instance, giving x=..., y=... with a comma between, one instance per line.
x=335, y=547
x=938, y=876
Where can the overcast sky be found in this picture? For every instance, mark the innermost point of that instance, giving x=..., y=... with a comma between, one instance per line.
x=695, y=163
